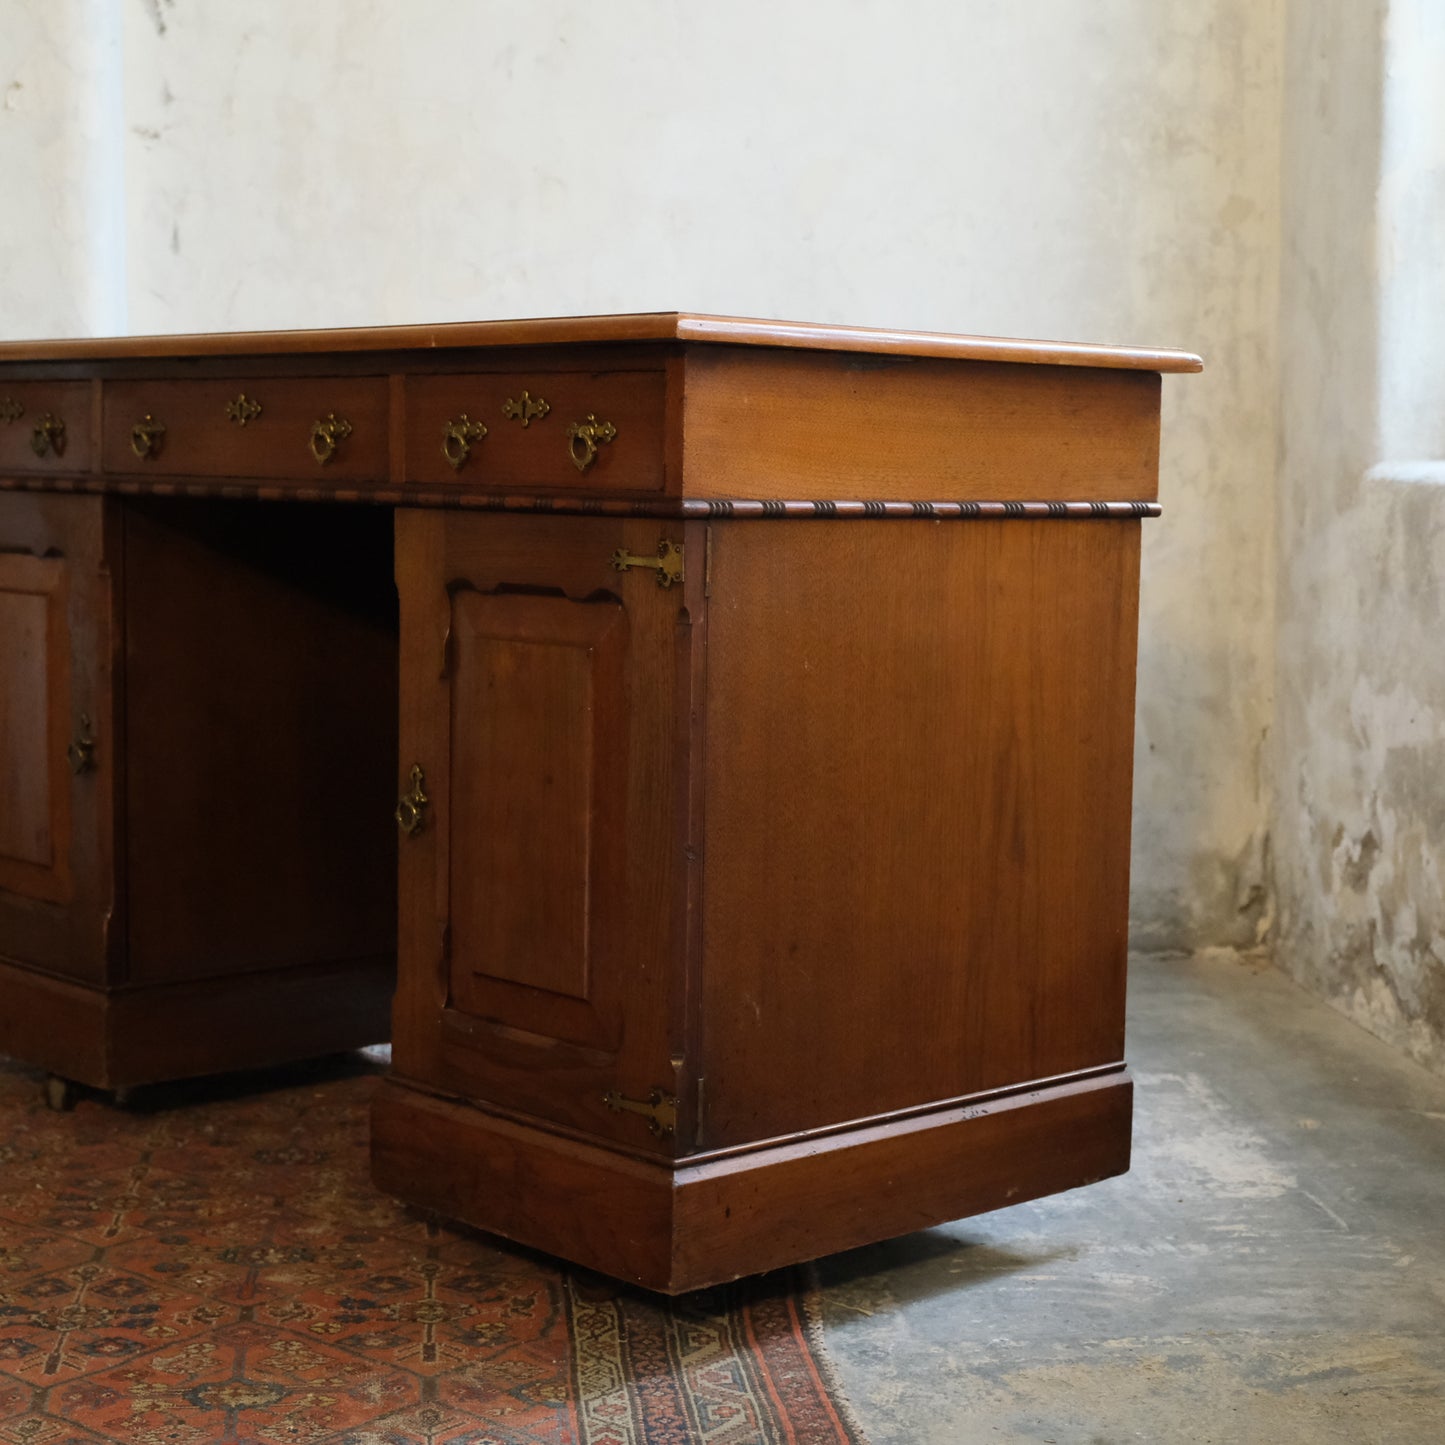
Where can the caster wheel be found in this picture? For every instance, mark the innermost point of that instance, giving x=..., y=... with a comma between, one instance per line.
x=60, y=1094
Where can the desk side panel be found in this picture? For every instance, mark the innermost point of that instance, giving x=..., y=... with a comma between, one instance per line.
x=919, y=753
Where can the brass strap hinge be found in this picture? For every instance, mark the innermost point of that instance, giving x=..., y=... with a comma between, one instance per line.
x=659, y=1109
x=668, y=562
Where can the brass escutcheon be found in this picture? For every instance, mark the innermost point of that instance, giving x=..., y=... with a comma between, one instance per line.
x=243, y=409
x=457, y=439
x=584, y=437
x=146, y=436
x=327, y=435
x=48, y=435
x=411, y=806
x=525, y=410
x=81, y=751
x=10, y=410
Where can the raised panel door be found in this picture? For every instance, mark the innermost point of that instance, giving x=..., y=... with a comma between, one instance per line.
x=34, y=719
x=543, y=933
x=57, y=741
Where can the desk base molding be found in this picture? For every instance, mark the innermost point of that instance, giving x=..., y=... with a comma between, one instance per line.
x=125, y=1037
x=680, y=1226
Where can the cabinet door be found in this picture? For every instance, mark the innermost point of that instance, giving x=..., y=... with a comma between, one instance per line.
x=545, y=698
x=56, y=736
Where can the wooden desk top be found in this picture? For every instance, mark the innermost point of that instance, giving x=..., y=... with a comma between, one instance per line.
x=668, y=414
x=658, y=326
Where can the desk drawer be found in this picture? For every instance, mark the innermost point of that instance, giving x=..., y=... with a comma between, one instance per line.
x=291, y=429
x=45, y=426
x=577, y=430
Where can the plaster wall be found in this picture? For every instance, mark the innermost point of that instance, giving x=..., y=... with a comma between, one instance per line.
x=62, y=241
x=1094, y=169
x=1359, y=818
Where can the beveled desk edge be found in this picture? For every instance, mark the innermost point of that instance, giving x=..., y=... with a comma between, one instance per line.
x=659, y=326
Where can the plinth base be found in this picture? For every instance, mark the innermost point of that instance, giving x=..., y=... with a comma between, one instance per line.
x=683, y=1225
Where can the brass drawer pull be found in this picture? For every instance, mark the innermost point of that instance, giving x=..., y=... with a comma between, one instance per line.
x=146, y=436
x=48, y=435
x=526, y=410
x=457, y=439
x=327, y=435
x=584, y=437
x=10, y=410
x=81, y=751
x=412, y=805
x=243, y=409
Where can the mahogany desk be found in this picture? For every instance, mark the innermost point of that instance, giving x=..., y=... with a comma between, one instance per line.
x=762, y=784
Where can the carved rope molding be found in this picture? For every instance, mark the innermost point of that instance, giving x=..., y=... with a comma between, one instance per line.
x=673, y=508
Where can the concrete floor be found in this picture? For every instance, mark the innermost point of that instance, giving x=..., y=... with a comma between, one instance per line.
x=1272, y=1270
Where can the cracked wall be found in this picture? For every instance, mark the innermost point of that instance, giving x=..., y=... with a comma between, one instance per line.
x=1359, y=813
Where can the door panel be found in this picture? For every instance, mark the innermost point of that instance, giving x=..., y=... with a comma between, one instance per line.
x=538, y=730
x=57, y=733
x=543, y=917
x=34, y=720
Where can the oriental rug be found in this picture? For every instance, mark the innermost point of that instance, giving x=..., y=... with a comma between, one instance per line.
x=211, y=1264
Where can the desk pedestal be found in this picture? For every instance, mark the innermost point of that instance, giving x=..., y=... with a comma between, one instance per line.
x=771, y=911
x=198, y=734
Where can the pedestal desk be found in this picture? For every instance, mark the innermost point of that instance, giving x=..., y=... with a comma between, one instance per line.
x=758, y=793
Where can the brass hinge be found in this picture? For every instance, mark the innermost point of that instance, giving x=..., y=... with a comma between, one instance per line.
x=659, y=1109
x=668, y=562
x=707, y=563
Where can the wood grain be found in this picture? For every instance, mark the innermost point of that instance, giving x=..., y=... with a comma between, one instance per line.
x=919, y=747
x=810, y=424
x=538, y=725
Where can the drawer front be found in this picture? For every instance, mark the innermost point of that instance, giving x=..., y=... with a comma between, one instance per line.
x=45, y=426
x=575, y=430
x=301, y=429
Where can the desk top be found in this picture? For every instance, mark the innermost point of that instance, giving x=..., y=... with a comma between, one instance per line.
x=659, y=326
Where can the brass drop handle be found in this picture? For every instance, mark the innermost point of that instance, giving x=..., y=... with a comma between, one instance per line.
x=48, y=435
x=457, y=439
x=328, y=434
x=10, y=410
x=584, y=437
x=412, y=805
x=81, y=751
x=146, y=436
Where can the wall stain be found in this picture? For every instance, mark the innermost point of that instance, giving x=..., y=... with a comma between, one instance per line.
x=157, y=9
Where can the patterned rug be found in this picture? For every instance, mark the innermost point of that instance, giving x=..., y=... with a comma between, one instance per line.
x=212, y=1264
